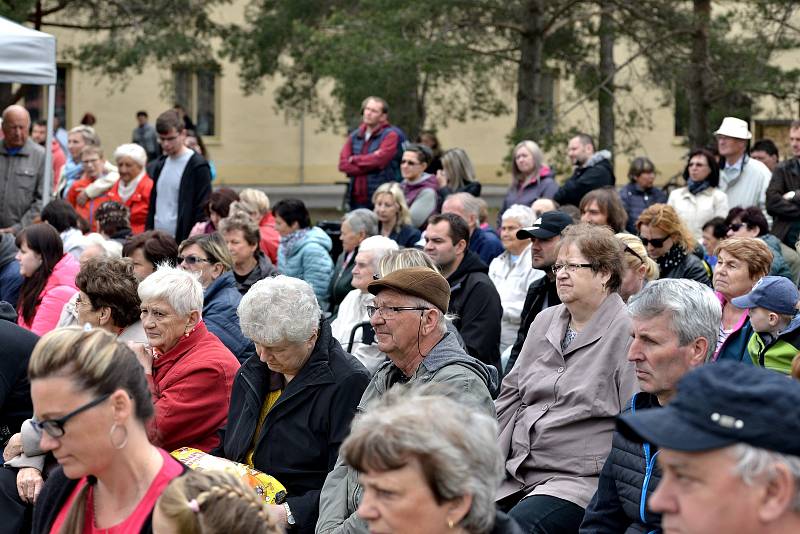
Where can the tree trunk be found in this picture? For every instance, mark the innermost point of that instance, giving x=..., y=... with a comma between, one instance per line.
x=605, y=95
x=530, y=102
x=697, y=92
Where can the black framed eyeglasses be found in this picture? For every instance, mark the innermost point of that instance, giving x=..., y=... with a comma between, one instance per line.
x=389, y=312
x=55, y=427
x=570, y=267
x=657, y=243
x=191, y=260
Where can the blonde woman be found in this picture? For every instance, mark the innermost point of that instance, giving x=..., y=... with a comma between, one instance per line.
x=457, y=175
x=639, y=267
x=530, y=177
x=394, y=219
x=255, y=203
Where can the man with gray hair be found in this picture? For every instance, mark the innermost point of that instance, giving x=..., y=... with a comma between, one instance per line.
x=484, y=243
x=408, y=316
x=729, y=454
x=675, y=326
x=21, y=172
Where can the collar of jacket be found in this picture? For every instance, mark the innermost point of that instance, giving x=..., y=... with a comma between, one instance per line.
x=469, y=264
x=226, y=279
x=362, y=129
x=184, y=345
x=594, y=329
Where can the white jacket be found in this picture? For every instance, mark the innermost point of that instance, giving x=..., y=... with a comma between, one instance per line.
x=747, y=187
x=696, y=210
x=351, y=312
x=511, y=279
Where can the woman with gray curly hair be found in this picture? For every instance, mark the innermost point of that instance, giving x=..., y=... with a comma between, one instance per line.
x=291, y=407
x=427, y=464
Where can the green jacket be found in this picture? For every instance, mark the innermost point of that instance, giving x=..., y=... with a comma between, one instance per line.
x=776, y=353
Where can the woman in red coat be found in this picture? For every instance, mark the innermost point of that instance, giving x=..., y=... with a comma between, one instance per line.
x=189, y=371
x=134, y=186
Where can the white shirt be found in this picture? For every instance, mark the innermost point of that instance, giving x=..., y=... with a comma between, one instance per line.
x=167, y=191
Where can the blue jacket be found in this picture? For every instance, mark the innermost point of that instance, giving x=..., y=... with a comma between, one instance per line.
x=636, y=200
x=219, y=313
x=406, y=237
x=735, y=347
x=309, y=259
x=779, y=266
x=628, y=479
x=485, y=244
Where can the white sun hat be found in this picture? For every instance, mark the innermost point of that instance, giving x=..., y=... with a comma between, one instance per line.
x=733, y=127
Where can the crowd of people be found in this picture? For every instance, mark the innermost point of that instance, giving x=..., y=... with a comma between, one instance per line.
x=600, y=360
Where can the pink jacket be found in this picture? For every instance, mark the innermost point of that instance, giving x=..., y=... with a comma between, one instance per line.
x=59, y=289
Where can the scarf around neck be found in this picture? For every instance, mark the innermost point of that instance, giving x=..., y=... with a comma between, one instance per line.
x=672, y=259
x=696, y=188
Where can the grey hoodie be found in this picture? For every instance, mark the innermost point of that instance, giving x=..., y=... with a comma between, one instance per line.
x=8, y=249
x=446, y=363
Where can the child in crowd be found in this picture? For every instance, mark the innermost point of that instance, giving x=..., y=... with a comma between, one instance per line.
x=773, y=315
x=211, y=502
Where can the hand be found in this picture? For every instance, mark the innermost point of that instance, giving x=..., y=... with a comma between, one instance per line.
x=13, y=447
x=441, y=178
x=144, y=353
x=83, y=198
x=29, y=484
x=279, y=513
x=790, y=195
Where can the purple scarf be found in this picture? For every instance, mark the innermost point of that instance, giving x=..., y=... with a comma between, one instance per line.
x=427, y=181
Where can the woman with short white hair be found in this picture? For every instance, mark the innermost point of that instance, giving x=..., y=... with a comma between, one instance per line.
x=134, y=186
x=511, y=271
x=189, y=370
x=352, y=310
x=291, y=407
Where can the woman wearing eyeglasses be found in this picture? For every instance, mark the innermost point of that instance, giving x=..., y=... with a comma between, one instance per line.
x=671, y=244
x=419, y=187
x=639, y=267
x=291, y=407
x=189, y=371
x=700, y=200
x=92, y=404
x=207, y=256
x=557, y=405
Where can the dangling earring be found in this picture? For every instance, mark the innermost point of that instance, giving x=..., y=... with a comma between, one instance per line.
x=450, y=523
x=114, y=427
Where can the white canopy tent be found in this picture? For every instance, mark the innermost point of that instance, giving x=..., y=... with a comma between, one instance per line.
x=29, y=56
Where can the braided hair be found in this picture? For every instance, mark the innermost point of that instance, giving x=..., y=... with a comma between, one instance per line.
x=212, y=502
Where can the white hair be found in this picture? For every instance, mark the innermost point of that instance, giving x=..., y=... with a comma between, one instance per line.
x=180, y=289
x=470, y=204
x=520, y=213
x=133, y=151
x=753, y=463
x=110, y=248
x=279, y=309
x=379, y=246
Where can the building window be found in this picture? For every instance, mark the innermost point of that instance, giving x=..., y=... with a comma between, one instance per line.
x=196, y=91
x=36, y=99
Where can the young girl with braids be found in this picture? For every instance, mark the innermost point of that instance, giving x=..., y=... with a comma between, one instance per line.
x=211, y=502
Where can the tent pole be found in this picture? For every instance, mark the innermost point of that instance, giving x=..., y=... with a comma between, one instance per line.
x=48, y=158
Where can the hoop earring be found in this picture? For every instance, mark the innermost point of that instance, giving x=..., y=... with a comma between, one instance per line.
x=119, y=446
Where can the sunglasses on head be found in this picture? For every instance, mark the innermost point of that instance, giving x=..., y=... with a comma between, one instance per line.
x=657, y=243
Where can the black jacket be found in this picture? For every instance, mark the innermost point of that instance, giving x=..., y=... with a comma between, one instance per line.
x=596, y=173
x=192, y=197
x=541, y=295
x=264, y=269
x=618, y=506
x=691, y=268
x=301, y=435
x=52, y=498
x=15, y=390
x=785, y=213
x=476, y=304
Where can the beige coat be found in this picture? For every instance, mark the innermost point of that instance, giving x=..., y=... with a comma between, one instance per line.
x=556, y=411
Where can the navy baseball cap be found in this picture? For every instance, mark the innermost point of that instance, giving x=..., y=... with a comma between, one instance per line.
x=775, y=293
x=721, y=404
x=550, y=224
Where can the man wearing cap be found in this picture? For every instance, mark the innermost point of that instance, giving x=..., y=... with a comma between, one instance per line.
x=675, y=324
x=545, y=235
x=474, y=301
x=772, y=306
x=407, y=315
x=783, y=193
x=729, y=454
x=742, y=178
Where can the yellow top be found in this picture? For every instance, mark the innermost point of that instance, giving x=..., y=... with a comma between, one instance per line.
x=269, y=402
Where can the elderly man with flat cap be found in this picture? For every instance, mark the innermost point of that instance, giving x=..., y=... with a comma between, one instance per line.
x=730, y=452
x=408, y=316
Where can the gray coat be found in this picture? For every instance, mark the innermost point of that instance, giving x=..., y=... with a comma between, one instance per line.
x=447, y=363
x=21, y=178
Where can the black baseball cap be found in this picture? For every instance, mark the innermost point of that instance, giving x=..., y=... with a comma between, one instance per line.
x=550, y=224
x=721, y=404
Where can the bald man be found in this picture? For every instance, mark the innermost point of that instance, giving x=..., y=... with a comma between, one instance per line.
x=21, y=171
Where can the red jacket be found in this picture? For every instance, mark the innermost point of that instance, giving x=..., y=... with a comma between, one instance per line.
x=88, y=210
x=138, y=203
x=270, y=238
x=191, y=387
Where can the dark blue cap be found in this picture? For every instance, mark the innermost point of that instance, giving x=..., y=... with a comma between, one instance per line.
x=774, y=293
x=721, y=404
